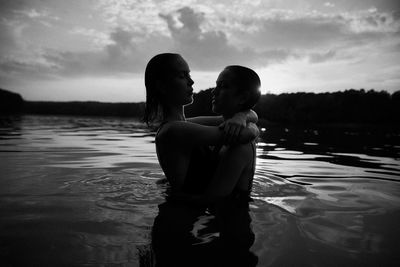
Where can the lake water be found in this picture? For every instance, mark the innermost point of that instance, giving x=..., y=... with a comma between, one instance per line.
x=81, y=191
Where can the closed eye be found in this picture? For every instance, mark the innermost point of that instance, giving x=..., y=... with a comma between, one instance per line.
x=184, y=74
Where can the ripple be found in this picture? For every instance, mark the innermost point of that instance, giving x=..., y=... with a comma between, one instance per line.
x=91, y=186
x=329, y=187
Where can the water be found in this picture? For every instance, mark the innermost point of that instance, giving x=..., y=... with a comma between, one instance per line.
x=80, y=191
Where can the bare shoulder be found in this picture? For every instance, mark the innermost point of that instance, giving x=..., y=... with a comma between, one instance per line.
x=169, y=129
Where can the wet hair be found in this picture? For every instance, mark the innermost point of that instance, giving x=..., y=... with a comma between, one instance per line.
x=246, y=81
x=157, y=70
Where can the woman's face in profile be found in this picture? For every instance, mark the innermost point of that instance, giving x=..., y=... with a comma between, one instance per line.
x=178, y=84
x=225, y=99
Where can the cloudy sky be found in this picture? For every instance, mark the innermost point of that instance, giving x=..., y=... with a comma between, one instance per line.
x=98, y=49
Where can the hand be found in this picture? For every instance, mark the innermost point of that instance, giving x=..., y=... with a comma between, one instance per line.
x=232, y=127
x=251, y=116
x=250, y=133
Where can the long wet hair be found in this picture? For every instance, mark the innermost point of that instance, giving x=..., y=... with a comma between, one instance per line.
x=156, y=71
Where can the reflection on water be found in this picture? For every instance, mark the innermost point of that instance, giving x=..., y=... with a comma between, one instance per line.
x=87, y=192
x=184, y=235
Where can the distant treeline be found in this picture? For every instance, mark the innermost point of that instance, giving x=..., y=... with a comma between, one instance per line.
x=84, y=108
x=10, y=102
x=350, y=106
x=353, y=106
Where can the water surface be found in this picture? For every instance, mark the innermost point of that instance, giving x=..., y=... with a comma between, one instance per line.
x=84, y=191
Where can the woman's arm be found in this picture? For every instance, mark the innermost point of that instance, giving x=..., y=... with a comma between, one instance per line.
x=192, y=134
x=232, y=127
x=240, y=118
x=207, y=120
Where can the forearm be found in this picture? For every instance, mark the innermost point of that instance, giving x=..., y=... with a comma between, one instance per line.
x=207, y=120
x=233, y=127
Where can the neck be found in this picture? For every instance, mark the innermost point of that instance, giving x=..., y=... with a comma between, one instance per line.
x=174, y=113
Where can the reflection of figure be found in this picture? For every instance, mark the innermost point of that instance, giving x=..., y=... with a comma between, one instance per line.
x=236, y=235
x=198, y=177
x=175, y=243
x=172, y=239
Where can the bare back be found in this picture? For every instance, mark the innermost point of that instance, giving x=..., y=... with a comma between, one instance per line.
x=173, y=158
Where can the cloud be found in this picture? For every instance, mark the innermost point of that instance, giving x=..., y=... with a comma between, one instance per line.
x=8, y=6
x=310, y=35
x=122, y=55
x=321, y=57
x=35, y=14
x=126, y=51
x=99, y=39
x=7, y=38
x=297, y=33
x=31, y=13
x=138, y=16
x=210, y=49
x=33, y=65
x=387, y=5
x=209, y=40
x=25, y=9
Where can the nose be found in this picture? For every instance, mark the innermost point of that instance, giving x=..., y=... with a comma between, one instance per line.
x=191, y=82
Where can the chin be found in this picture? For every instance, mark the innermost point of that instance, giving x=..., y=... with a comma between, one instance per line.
x=215, y=109
x=190, y=101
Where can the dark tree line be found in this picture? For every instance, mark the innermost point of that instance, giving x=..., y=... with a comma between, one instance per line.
x=85, y=108
x=201, y=105
x=350, y=106
x=10, y=102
